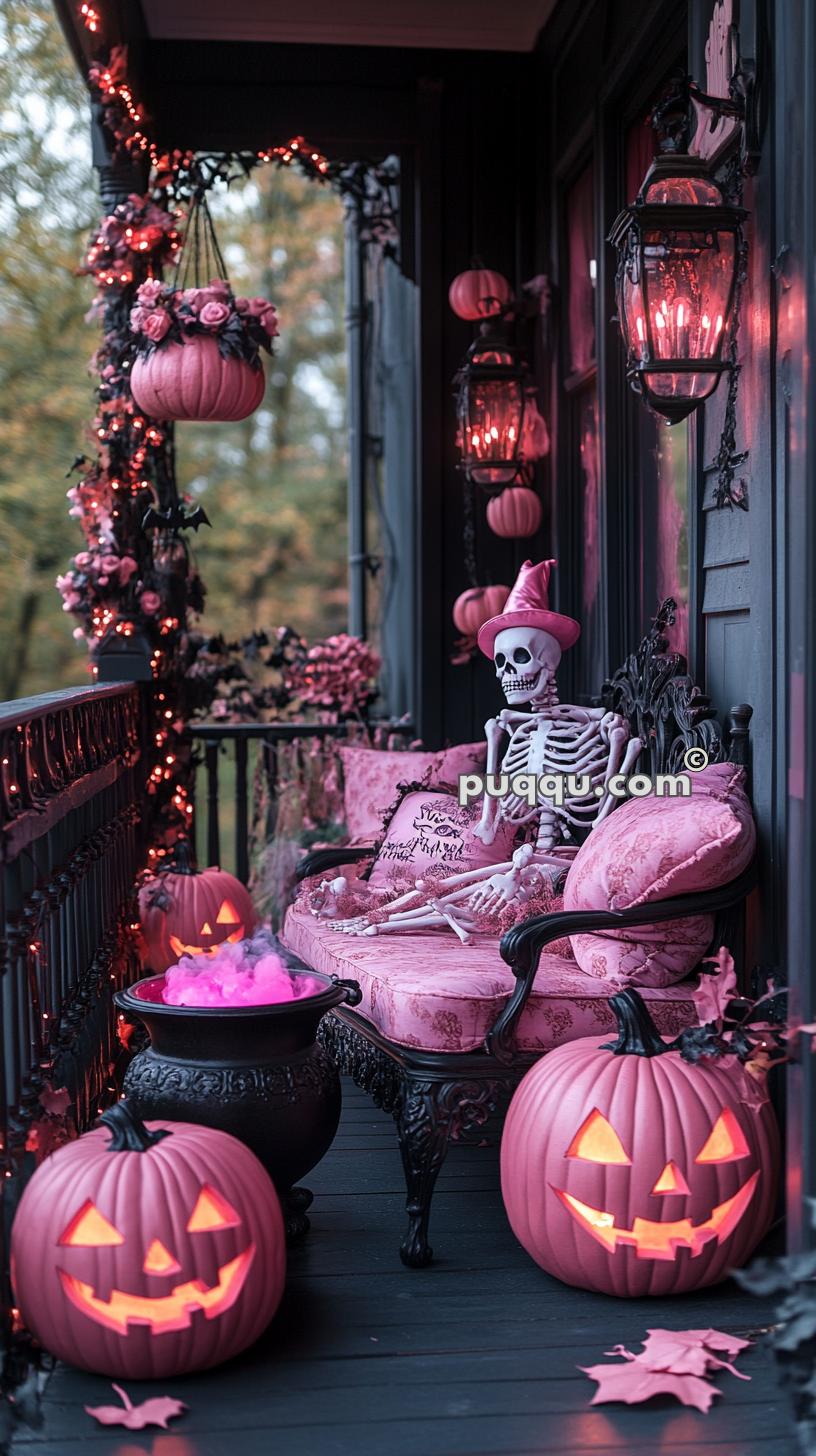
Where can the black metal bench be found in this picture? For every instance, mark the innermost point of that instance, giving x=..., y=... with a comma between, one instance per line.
x=438, y=1098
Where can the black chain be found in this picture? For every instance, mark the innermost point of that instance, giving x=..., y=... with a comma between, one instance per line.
x=469, y=532
x=727, y=461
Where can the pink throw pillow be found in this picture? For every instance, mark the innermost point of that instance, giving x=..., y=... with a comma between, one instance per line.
x=371, y=776
x=432, y=831
x=653, y=849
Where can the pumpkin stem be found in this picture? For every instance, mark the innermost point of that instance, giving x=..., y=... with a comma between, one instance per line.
x=637, y=1034
x=182, y=858
x=129, y=1132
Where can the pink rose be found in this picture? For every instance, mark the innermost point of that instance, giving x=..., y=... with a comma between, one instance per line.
x=269, y=322
x=242, y=305
x=109, y=564
x=127, y=566
x=137, y=319
x=215, y=292
x=156, y=325
x=258, y=306
x=150, y=292
x=149, y=602
x=214, y=315
x=83, y=560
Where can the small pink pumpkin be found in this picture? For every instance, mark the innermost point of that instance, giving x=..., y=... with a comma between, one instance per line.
x=478, y=293
x=193, y=381
x=476, y=606
x=155, y=1252
x=516, y=512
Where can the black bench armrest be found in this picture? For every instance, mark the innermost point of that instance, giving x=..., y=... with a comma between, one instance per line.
x=521, y=947
x=320, y=860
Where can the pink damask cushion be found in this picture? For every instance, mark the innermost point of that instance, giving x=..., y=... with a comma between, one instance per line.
x=430, y=992
x=652, y=849
x=433, y=831
x=371, y=776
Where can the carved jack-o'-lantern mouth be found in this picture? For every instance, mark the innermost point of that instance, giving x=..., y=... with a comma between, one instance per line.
x=167, y=1312
x=653, y=1240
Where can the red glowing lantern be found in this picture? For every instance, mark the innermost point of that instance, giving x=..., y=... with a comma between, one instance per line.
x=679, y=253
x=477, y=293
x=184, y=911
x=157, y=1253
x=476, y=606
x=192, y=380
x=629, y=1171
x=514, y=513
x=490, y=408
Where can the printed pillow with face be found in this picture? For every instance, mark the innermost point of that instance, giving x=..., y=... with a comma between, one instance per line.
x=371, y=777
x=433, y=831
x=653, y=849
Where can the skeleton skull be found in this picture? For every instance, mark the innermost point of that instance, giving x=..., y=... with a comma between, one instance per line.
x=526, y=659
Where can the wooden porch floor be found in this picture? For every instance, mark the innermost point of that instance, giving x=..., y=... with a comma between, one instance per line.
x=475, y=1356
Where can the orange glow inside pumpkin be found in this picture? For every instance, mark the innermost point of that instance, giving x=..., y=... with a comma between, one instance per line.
x=671, y=1180
x=726, y=1141
x=90, y=1229
x=597, y=1142
x=159, y=1260
x=212, y=1211
x=653, y=1240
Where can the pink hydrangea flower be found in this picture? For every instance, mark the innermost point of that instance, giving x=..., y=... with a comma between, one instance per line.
x=109, y=564
x=149, y=602
x=127, y=566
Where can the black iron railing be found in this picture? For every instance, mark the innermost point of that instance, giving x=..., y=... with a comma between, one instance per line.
x=252, y=750
x=71, y=786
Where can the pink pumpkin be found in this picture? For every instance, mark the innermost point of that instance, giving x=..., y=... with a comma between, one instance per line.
x=192, y=381
x=629, y=1171
x=155, y=1253
x=184, y=911
x=476, y=606
x=516, y=512
x=478, y=293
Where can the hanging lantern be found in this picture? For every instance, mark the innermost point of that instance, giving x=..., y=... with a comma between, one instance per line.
x=679, y=253
x=490, y=408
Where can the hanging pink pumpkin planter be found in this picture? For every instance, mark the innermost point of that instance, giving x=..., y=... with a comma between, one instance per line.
x=478, y=292
x=476, y=606
x=191, y=380
x=514, y=513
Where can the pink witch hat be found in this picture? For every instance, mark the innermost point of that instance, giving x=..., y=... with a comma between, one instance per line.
x=528, y=606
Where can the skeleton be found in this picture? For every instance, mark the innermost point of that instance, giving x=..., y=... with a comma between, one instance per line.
x=550, y=738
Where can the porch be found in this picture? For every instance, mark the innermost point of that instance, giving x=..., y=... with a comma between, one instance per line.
x=476, y=1356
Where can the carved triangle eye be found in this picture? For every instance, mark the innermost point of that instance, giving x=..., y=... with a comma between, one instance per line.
x=212, y=1211
x=597, y=1142
x=90, y=1229
x=726, y=1141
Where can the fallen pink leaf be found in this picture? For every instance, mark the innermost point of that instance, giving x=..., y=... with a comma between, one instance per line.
x=154, y=1412
x=632, y=1383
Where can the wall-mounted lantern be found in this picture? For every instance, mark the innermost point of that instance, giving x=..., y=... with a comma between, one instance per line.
x=679, y=256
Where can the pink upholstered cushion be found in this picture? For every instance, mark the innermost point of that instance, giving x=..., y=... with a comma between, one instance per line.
x=371, y=776
x=430, y=992
x=431, y=831
x=653, y=849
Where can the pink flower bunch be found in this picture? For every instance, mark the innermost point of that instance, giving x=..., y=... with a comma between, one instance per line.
x=135, y=227
x=338, y=675
x=245, y=324
x=231, y=976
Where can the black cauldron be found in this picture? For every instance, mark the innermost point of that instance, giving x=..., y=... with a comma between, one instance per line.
x=254, y=1071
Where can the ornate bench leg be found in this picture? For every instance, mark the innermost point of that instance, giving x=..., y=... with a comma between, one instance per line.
x=423, y=1128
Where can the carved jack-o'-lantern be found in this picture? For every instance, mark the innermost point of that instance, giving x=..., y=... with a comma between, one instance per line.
x=629, y=1171
x=159, y=1252
x=186, y=912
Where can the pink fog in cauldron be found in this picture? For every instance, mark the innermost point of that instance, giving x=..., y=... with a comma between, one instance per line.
x=233, y=977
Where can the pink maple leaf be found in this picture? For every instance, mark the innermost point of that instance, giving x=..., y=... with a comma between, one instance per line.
x=690, y=1352
x=154, y=1412
x=714, y=992
x=633, y=1382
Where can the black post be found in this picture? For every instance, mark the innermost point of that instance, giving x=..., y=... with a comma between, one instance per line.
x=356, y=328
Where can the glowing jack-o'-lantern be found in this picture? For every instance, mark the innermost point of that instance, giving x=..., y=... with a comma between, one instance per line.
x=159, y=1252
x=627, y=1170
x=187, y=912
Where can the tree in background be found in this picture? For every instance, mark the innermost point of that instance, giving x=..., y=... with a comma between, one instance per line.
x=273, y=486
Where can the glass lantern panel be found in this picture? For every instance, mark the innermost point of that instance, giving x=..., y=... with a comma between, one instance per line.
x=491, y=428
x=686, y=291
x=688, y=191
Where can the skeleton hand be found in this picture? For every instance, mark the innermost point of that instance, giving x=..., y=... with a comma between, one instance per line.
x=501, y=889
x=327, y=895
